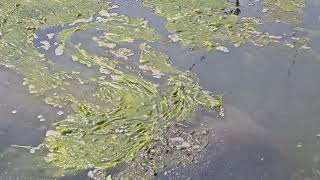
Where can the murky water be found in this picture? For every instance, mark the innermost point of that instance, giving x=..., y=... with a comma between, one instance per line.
x=271, y=130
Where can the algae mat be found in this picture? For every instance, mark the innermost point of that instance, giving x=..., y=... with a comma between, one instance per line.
x=126, y=108
x=214, y=24
x=133, y=92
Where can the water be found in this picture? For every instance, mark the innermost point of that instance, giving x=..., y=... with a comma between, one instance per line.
x=271, y=96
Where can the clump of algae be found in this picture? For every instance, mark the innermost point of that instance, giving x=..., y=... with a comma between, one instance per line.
x=135, y=114
x=125, y=111
x=201, y=23
x=286, y=11
x=205, y=23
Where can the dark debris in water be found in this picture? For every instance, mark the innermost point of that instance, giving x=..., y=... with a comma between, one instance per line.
x=180, y=145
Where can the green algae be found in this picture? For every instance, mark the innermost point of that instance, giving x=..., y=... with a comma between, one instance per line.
x=286, y=11
x=210, y=24
x=124, y=110
x=137, y=113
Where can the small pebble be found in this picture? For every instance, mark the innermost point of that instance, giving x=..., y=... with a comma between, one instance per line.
x=265, y=10
x=223, y=49
x=60, y=113
x=114, y=6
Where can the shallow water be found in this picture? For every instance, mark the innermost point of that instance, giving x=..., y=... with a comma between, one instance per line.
x=271, y=95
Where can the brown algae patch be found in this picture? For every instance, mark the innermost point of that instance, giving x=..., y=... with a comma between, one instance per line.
x=210, y=24
x=124, y=111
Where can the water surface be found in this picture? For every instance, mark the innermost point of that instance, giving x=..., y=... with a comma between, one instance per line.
x=271, y=96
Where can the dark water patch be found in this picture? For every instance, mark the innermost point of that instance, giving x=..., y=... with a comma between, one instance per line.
x=286, y=104
x=239, y=149
x=249, y=159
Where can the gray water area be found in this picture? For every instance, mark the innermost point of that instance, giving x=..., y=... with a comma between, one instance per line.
x=271, y=130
